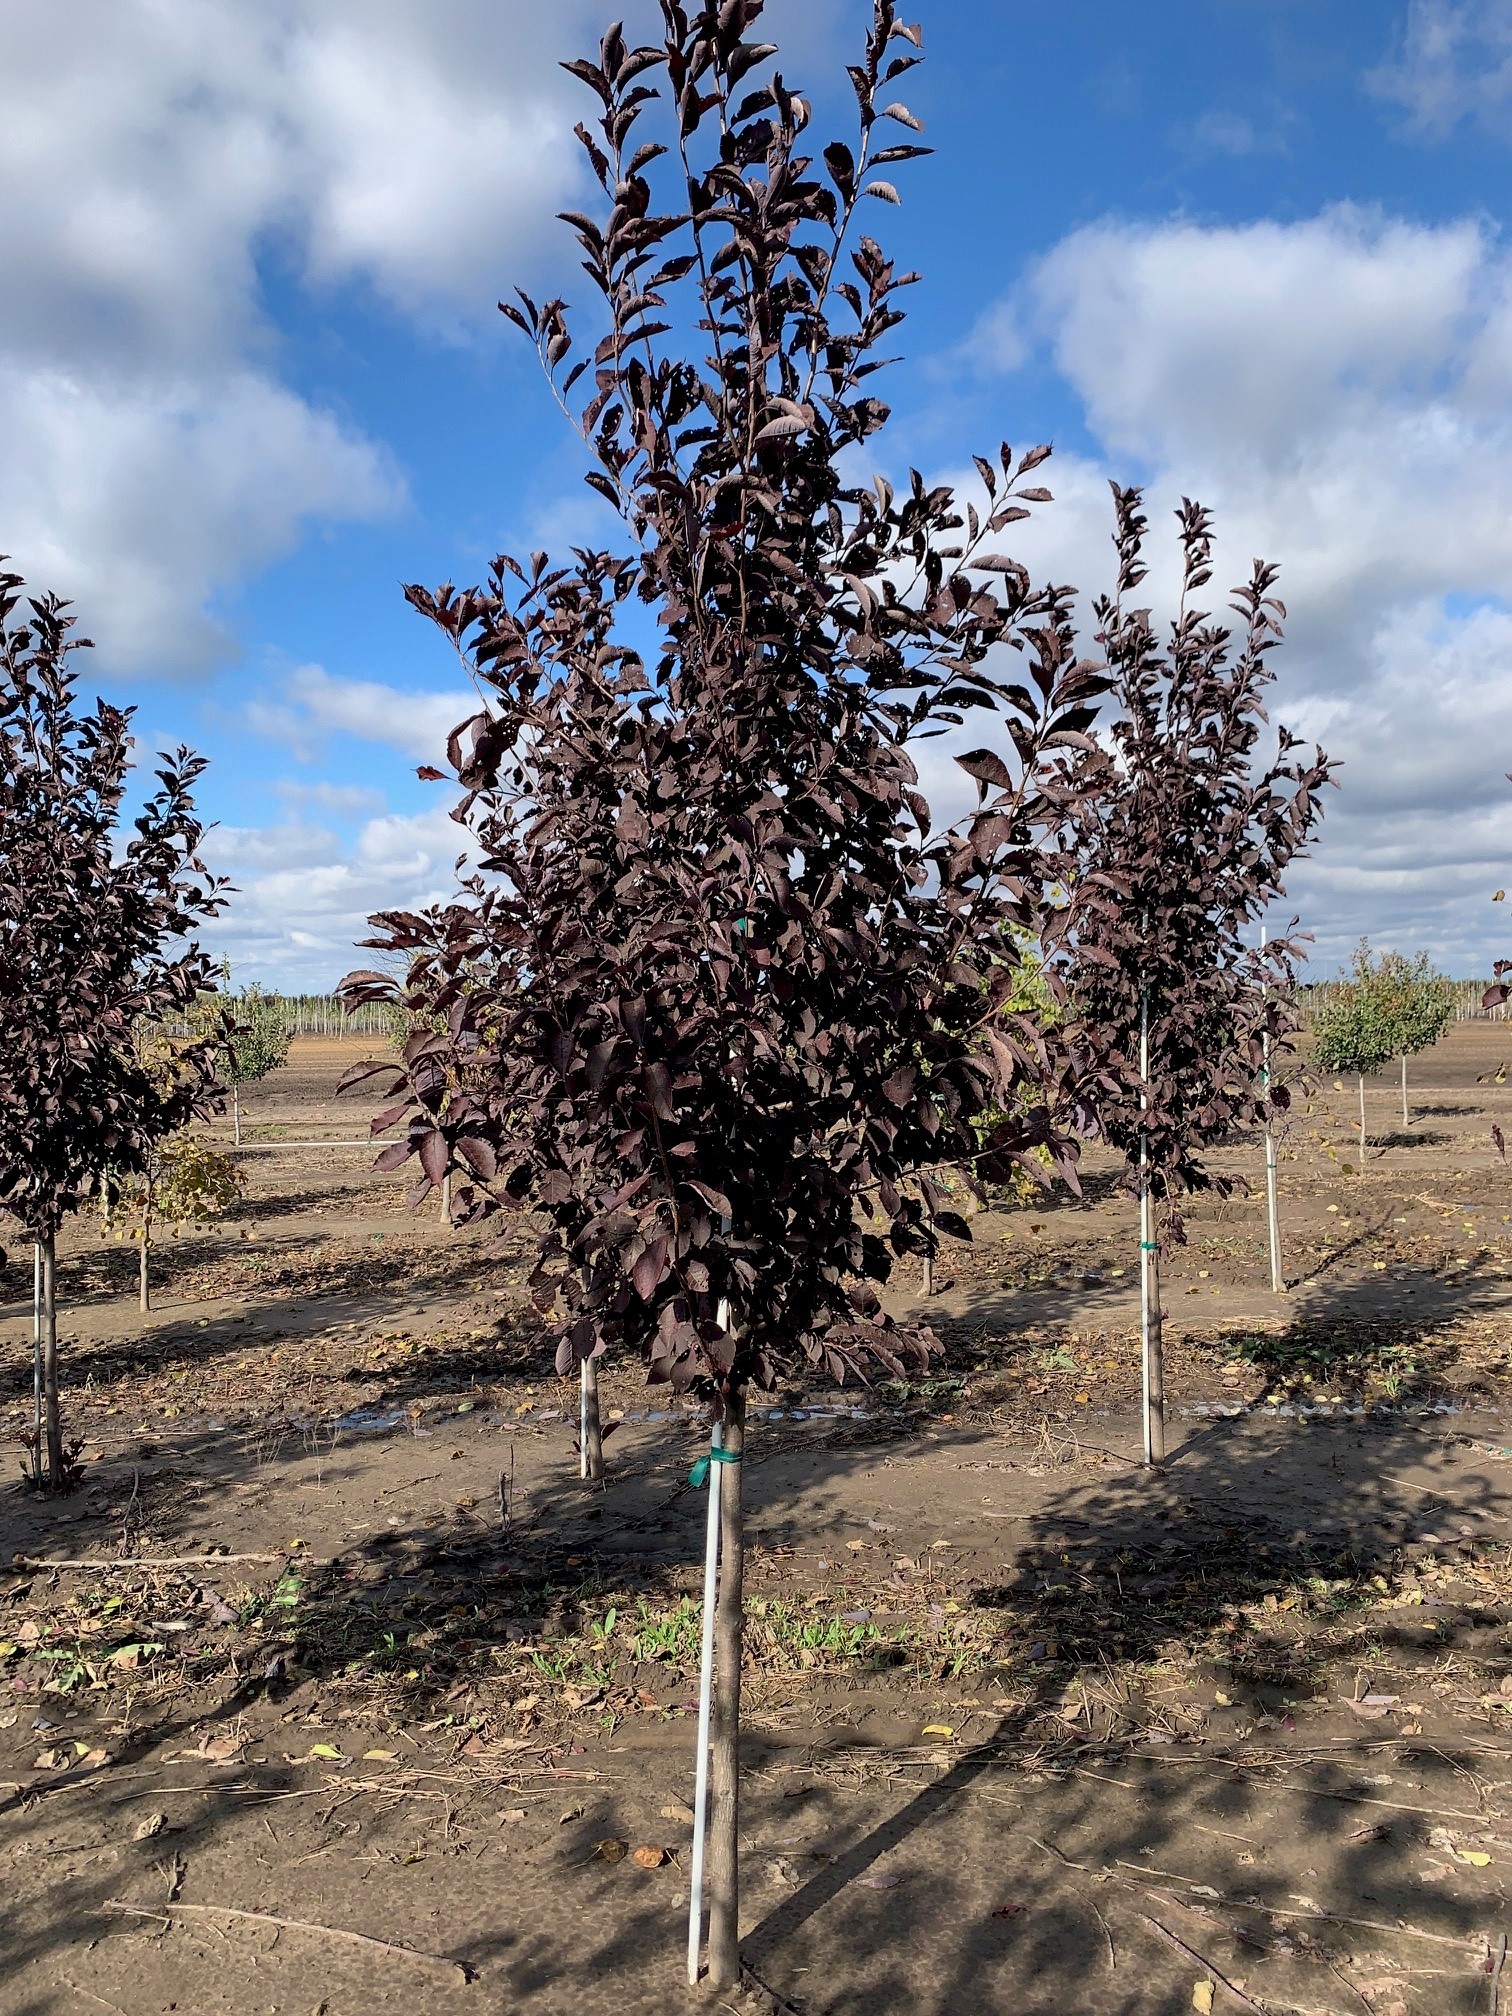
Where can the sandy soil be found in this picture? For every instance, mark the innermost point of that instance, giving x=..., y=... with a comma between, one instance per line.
x=1028, y=1729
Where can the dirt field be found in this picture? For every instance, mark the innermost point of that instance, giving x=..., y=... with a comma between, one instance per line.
x=1028, y=1729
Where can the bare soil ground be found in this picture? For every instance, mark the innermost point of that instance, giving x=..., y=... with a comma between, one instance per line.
x=1028, y=1728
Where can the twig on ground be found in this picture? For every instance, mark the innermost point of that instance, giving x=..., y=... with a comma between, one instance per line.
x=145, y=1561
x=1107, y=1934
x=1496, y=1974
x=1198, y=1960
x=410, y=1483
x=293, y=1925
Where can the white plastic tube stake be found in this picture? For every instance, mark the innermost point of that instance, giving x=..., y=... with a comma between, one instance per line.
x=705, y=1700
x=583, y=1419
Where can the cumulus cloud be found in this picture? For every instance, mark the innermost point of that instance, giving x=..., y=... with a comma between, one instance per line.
x=1337, y=390
x=304, y=893
x=1452, y=62
x=315, y=704
x=145, y=500
x=155, y=154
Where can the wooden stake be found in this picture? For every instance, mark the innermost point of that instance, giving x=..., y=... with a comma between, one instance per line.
x=590, y=1425
x=1406, y=1116
x=144, y=1286
x=724, y=1817
x=1361, y=1077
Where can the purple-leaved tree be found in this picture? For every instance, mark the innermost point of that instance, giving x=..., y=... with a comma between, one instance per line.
x=1179, y=859
x=96, y=945
x=717, y=987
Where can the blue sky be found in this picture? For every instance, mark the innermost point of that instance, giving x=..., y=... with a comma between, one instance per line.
x=252, y=379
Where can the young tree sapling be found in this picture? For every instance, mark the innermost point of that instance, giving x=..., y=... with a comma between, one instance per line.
x=720, y=986
x=96, y=942
x=1180, y=857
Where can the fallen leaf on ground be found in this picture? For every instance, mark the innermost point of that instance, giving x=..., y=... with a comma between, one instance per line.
x=379, y=1757
x=328, y=1750
x=610, y=1850
x=937, y=1729
x=1202, y=1997
x=648, y=1856
x=677, y=1811
x=879, y=1882
x=145, y=1829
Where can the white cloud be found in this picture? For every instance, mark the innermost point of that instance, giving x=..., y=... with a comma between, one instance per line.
x=1337, y=390
x=153, y=154
x=316, y=704
x=143, y=501
x=1453, y=61
x=303, y=897
x=348, y=799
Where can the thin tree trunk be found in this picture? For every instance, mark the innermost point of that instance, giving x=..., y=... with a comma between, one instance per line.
x=1406, y=1116
x=1361, y=1077
x=55, y=1465
x=590, y=1426
x=236, y=1112
x=144, y=1286
x=1151, y=1334
x=928, y=1287
x=446, y=1198
x=724, y=1773
x=37, y=1363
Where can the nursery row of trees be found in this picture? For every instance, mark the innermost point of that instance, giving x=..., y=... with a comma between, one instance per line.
x=721, y=1003
x=1388, y=1007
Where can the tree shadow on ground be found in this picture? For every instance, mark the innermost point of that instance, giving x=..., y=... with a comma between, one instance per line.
x=1248, y=1568
x=1261, y=1567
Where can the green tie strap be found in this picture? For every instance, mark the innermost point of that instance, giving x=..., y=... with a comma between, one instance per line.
x=698, y=1476
x=1149, y=1246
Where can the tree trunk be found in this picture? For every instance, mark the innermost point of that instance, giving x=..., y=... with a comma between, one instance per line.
x=1406, y=1116
x=724, y=1772
x=928, y=1288
x=236, y=1113
x=1151, y=1335
x=37, y=1364
x=144, y=1286
x=55, y=1466
x=590, y=1427
x=446, y=1198
x=1362, y=1122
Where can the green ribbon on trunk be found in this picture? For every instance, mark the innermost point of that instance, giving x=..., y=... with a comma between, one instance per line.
x=698, y=1476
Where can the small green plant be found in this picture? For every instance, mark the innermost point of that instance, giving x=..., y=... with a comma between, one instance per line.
x=672, y=1635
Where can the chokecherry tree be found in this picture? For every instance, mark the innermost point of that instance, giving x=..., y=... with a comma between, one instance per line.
x=1183, y=853
x=717, y=985
x=96, y=944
